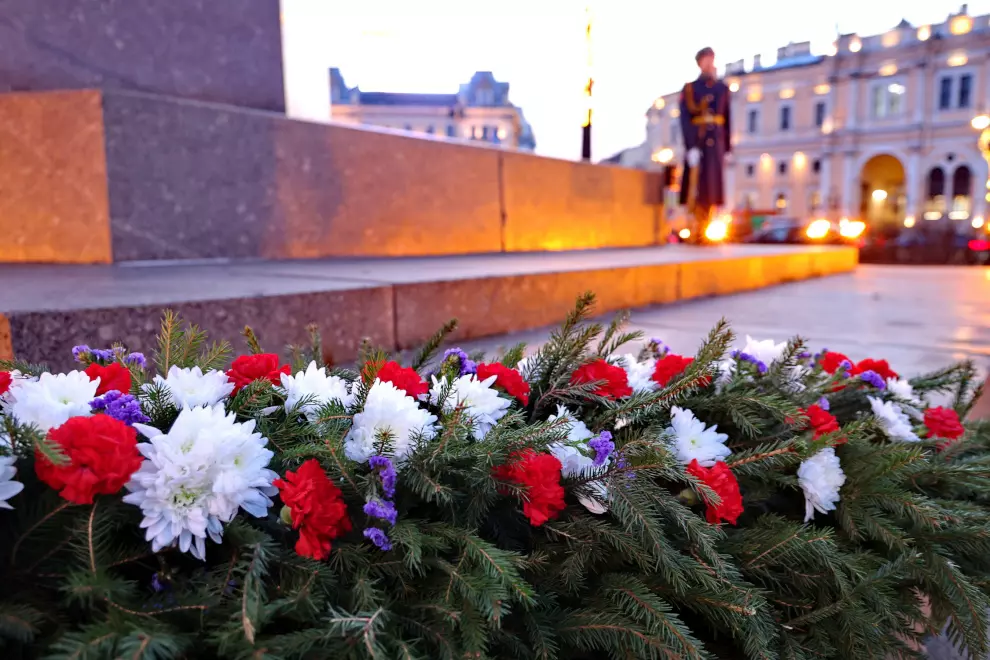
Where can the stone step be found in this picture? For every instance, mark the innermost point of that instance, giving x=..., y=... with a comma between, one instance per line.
x=395, y=302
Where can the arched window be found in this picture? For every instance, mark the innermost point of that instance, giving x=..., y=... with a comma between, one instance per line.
x=935, y=199
x=962, y=189
x=815, y=200
x=781, y=202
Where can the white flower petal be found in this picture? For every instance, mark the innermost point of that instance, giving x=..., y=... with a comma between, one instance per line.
x=690, y=439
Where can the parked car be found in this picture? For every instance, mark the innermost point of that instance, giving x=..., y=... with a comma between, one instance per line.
x=808, y=232
x=929, y=244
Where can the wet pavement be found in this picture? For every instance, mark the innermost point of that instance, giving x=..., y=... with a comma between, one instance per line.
x=919, y=318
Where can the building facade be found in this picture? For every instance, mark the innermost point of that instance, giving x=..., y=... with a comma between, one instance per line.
x=879, y=129
x=479, y=111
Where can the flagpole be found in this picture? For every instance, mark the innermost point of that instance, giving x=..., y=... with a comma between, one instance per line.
x=586, y=128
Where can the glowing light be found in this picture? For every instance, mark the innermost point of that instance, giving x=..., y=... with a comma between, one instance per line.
x=663, y=156
x=684, y=234
x=932, y=215
x=766, y=161
x=855, y=45
x=822, y=89
x=888, y=69
x=717, y=230
x=957, y=59
x=958, y=215
x=977, y=222
x=800, y=159
x=659, y=104
x=675, y=112
x=896, y=88
x=734, y=86
x=909, y=221
x=833, y=50
x=828, y=126
x=979, y=245
x=890, y=39
x=502, y=133
x=852, y=229
x=818, y=229
x=754, y=96
x=961, y=25
x=981, y=122
x=879, y=195
x=787, y=93
x=924, y=32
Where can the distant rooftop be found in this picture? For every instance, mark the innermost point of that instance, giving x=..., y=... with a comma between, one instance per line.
x=390, y=98
x=482, y=91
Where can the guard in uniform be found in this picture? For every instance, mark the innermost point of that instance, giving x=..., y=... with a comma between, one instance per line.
x=705, y=105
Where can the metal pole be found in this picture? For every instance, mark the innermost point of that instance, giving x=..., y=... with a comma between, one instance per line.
x=586, y=128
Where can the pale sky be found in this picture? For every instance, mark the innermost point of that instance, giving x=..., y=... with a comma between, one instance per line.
x=642, y=49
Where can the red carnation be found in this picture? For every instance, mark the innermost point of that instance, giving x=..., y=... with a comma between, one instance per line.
x=831, y=362
x=317, y=508
x=102, y=453
x=823, y=422
x=670, y=366
x=403, y=378
x=721, y=480
x=114, y=376
x=943, y=423
x=879, y=367
x=508, y=380
x=5, y=381
x=248, y=368
x=613, y=381
x=540, y=474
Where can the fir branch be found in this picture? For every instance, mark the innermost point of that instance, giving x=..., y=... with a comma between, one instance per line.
x=432, y=345
x=252, y=340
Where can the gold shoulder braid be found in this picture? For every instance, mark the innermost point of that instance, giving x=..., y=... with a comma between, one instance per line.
x=689, y=99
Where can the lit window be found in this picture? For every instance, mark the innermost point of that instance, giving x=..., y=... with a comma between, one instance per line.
x=781, y=202
x=887, y=100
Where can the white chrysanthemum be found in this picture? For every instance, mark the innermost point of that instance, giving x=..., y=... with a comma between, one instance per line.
x=51, y=400
x=766, y=351
x=903, y=391
x=821, y=477
x=726, y=370
x=390, y=410
x=523, y=367
x=195, y=478
x=691, y=440
x=573, y=453
x=8, y=487
x=191, y=388
x=479, y=400
x=640, y=374
x=315, y=386
x=893, y=421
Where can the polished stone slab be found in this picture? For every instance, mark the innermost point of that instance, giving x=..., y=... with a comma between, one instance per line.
x=399, y=302
x=227, y=51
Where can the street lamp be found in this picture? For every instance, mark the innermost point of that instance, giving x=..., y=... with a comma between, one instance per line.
x=586, y=128
x=981, y=123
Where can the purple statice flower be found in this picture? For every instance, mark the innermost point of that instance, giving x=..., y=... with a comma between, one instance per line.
x=102, y=355
x=81, y=352
x=756, y=362
x=383, y=465
x=378, y=537
x=467, y=365
x=603, y=447
x=122, y=407
x=660, y=347
x=874, y=379
x=804, y=355
x=137, y=359
x=819, y=355
x=845, y=365
x=824, y=404
x=383, y=510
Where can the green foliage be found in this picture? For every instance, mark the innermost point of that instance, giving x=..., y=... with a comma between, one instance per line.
x=630, y=568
